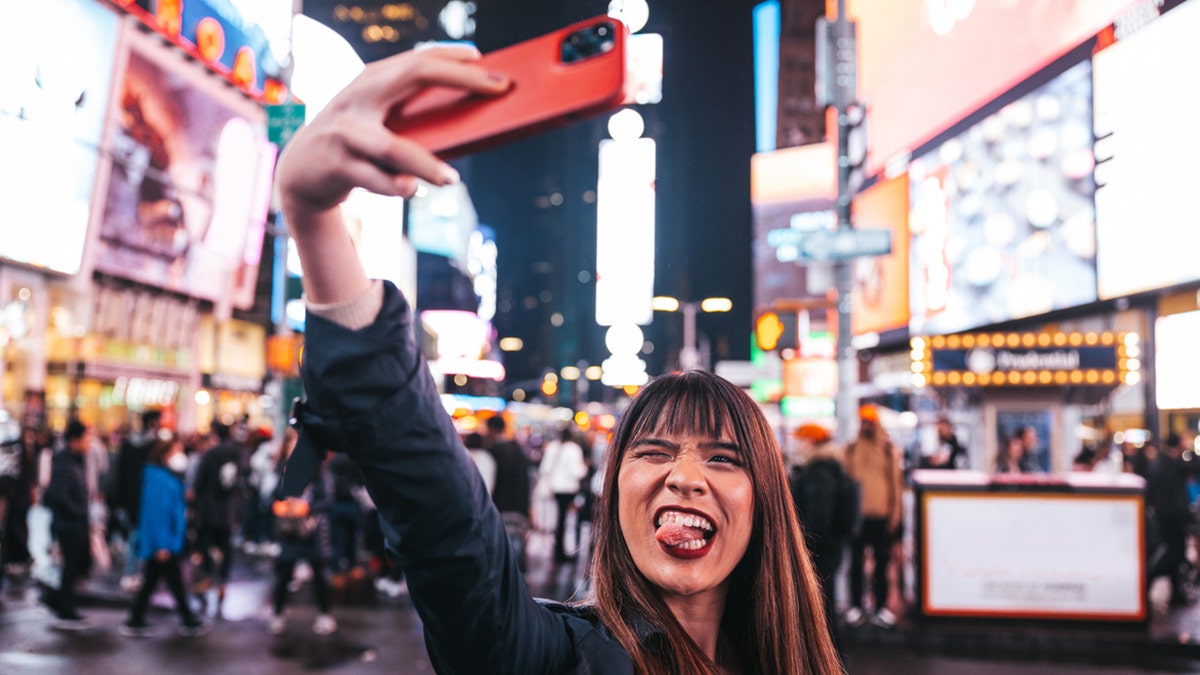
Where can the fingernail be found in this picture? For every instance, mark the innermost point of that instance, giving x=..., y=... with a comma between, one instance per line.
x=497, y=77
x=448, y=174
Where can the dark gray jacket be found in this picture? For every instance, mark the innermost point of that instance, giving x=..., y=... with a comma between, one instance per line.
x=370, y=395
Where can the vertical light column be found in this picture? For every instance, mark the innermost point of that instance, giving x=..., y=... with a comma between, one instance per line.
x=625, y=200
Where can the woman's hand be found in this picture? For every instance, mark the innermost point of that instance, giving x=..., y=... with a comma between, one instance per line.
x=347, y=146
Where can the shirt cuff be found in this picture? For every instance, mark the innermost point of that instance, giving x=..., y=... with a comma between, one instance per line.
x=353, y=314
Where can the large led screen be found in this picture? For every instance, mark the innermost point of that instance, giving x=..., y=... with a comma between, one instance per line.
x=1177, y=370
x=52, y=106
x=1148, y=142
x=880, y=300
x=186, y=197
x=925, y=65
x=1001, y=216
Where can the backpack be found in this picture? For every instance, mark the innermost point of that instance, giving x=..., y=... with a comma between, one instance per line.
x=827, y=500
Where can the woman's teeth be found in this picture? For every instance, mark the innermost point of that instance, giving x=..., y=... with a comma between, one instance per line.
x=687, y=520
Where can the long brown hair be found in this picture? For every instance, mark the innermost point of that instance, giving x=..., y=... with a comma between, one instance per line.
x=774, y=613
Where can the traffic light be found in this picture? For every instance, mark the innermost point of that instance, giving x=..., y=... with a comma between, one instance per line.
x=776, y=330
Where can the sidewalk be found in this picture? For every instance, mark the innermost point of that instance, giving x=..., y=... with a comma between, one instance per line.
x=1172, y=635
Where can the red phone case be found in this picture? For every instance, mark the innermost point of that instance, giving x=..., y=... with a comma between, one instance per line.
x=545, y=93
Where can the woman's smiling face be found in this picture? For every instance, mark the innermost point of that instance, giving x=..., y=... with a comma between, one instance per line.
x=686, y=510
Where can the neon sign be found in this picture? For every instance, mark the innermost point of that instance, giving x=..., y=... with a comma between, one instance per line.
x=214, y=33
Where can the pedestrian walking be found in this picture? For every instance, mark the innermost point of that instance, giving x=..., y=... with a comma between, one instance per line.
x=67, y=499
x=162, y=528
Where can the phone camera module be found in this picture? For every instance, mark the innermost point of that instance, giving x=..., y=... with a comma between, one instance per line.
x=588, y=42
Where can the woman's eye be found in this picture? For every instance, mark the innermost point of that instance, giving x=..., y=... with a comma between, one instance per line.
x=726, y=459
x=651, y=454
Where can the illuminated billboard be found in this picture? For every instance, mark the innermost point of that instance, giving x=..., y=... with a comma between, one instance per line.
x=191, y=169
x=1147, y=228
x=881, y=282
x=625, y=232
x=923, y=66
x=52, y=108
x=1001, y=216
x=790, y=189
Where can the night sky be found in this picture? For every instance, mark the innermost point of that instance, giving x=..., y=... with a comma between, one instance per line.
x=704, y=128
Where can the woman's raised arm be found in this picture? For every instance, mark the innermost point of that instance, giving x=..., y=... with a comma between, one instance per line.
x=347, y=146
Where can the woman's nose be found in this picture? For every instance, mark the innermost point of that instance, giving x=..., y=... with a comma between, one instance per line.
x=686, y=476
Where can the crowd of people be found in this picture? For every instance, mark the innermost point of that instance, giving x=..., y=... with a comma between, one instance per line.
x=154, y=505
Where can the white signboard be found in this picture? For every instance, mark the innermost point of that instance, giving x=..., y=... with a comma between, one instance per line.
x=1033, y=556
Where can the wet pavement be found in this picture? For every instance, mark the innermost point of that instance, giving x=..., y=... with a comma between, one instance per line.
x=382, y=634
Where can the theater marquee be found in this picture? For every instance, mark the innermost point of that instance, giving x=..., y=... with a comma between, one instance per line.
x=1026, y=359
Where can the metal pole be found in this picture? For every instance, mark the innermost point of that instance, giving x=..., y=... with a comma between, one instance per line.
x=689, y=356
x=847, y=357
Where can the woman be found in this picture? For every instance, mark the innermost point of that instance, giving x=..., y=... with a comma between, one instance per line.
x=700, y=566
x=1012, y=457
x=562, y=471
x=162, y=528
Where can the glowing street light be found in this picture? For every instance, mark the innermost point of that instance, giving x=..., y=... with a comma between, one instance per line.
x=689, y=355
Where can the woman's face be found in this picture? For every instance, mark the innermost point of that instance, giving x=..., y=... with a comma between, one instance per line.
x=686, y=510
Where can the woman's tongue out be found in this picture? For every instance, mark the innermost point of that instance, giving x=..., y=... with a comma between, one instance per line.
x=681, y=541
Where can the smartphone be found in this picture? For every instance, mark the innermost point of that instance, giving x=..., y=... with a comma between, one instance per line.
x=557, y=79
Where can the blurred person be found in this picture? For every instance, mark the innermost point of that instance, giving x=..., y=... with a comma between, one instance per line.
x=1014, y=457
x=127, y=489
x=97, y=462
x=22, y=493
x=1170, y=514
x=162, y=528
x=483, y=459
x=511, y=491
x=68, y=500
x=1086, y=459
x=256, y=518
x=562, y=469
x=700, y=566
x=218, y=487
x=1036, y=457
x=345, y=517
x=829, y=505
x=303, y=529
x=874, y=462
x=950, y=453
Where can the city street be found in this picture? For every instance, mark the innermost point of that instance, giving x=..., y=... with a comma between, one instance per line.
x=379, y=634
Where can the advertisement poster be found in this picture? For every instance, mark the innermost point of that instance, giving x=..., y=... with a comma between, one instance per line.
x=187, y=197
x=52, y=106
x=1030, y=556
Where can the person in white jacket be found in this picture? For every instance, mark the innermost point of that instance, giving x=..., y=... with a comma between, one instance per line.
x=563, y=467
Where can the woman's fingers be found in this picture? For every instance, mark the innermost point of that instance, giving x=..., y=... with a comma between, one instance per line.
x=399, y=156
x=455, y=67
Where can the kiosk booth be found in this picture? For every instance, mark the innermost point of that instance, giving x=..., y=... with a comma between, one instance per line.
x=1030, y=546
x=1050, y=544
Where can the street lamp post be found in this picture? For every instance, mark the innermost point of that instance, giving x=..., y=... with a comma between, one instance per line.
x=689, y=355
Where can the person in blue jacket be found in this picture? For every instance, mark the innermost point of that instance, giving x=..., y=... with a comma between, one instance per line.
x=700, y=565
x=162, y=528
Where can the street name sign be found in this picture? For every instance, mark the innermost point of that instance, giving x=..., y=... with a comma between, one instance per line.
x=834, y=245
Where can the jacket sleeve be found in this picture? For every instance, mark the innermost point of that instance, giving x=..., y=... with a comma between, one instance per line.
x=370, y=394
x=66, y=494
